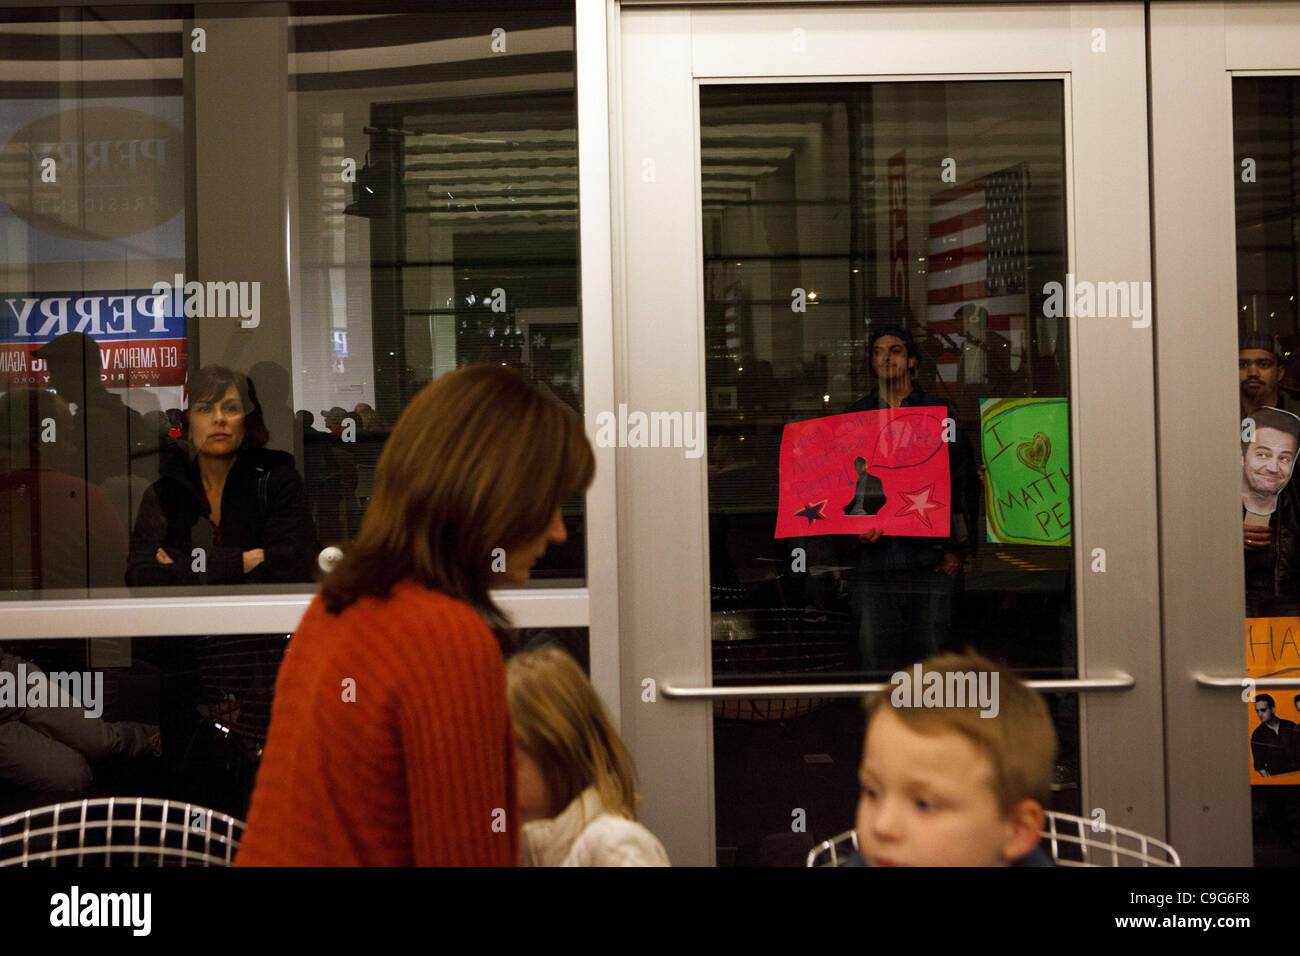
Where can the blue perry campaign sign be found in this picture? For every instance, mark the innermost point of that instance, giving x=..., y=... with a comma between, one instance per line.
x=140, y=335
x=39, y=317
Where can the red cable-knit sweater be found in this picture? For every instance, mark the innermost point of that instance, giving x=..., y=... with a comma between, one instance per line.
x=419, y=769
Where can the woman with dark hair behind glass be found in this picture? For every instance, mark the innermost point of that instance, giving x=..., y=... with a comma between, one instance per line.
x=225, y=509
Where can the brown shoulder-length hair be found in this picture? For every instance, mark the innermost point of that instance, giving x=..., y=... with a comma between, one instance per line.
x=480, y=460
x=211, y=382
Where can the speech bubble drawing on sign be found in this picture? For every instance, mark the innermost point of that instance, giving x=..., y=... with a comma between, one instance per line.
x=907, y=441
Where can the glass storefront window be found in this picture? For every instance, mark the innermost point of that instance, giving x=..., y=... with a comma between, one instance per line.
x=180, y=718
x=308, y=217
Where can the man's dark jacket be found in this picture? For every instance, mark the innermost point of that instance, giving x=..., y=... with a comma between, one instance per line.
x=1286, y=546
x=108, y=435
x=264, y=505
x=1275, y=752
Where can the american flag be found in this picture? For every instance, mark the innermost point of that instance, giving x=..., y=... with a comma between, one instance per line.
x=977, y=257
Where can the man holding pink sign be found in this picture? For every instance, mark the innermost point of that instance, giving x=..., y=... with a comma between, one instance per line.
x=894, y=472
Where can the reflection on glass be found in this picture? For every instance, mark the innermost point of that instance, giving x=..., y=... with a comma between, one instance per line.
x=1268, y=332
x=92, y=177
x=63, y=532
x=383, y=198
x=879, y=248
x=182, y=718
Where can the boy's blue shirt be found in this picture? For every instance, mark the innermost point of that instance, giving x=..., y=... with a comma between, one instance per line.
x=1036, y=858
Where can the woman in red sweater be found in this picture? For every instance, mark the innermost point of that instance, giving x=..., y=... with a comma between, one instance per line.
x=390, y=740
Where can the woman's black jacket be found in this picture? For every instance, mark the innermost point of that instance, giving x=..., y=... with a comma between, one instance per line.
x=264, y=505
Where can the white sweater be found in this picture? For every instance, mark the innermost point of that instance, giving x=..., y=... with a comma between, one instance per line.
x=585, y=835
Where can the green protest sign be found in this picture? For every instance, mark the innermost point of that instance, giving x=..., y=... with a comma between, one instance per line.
x=1026, y=448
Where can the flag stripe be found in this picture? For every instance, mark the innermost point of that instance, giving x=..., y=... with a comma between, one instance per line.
x=966, y=220
x=977, y=257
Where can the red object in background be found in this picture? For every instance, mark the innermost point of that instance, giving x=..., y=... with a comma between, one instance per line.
x=900, y=256
x=124, y=364
x=903, y=448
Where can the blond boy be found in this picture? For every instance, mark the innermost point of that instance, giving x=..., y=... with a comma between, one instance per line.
x=943, y=785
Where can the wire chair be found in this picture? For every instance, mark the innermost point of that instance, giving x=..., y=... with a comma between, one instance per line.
x=1103, y=844
x=237, y=680
x=119, y=831
x=236, y=677
x=1071, y=840
x=844, y=845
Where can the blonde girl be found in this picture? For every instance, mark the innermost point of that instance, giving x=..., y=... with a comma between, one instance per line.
x=577, y=790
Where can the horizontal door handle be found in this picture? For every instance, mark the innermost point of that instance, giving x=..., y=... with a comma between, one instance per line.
x=1064, y=686
x=1237, y=683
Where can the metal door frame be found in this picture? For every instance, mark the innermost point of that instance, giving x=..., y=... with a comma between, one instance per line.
x=659, y=56
x=1196, y=49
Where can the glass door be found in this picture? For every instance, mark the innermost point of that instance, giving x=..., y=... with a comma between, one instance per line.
x=829, y=210
x=1227, y=224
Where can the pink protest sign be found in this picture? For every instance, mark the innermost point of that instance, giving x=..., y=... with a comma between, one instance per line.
x=847, y=474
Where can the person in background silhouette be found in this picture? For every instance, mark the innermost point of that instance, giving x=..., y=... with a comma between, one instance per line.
x=106, y=434
x=62, y=531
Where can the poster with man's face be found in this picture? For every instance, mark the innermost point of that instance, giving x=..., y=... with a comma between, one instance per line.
x=1272, y=650
x=1269, y=440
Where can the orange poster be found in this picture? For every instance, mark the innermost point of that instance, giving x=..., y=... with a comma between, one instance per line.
x=1273, y=650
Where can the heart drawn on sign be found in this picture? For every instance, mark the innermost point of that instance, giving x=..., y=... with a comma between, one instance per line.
x=1033, y=454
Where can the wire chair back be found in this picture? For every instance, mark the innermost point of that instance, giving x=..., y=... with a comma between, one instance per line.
x=835, y=850
x=119, y=831
x=1071, y=840
x=237, y=680
x=1077, y=841
x=236, y=687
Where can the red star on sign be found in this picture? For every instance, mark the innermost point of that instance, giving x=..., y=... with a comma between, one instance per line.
x=919, y=503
